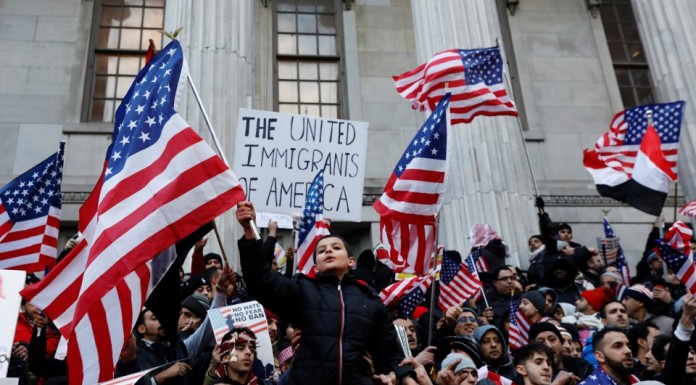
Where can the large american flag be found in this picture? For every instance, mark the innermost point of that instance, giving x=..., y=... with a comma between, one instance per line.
x=312, y=225
x=617, y=253
x=618, y=147
x=407, y=248
x=415, y=295
x=519, y=327
x=457, y=284
x=414, y=191
x=674, y=249
x=160, y=183
x=475, y=77
x=30, y=216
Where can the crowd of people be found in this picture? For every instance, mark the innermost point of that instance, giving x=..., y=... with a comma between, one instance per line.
x=587, y=325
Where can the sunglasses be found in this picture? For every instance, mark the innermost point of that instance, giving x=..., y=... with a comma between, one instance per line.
x=464, y=320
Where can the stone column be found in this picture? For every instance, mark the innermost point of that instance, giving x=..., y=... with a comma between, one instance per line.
x=218, y=42
x=666, y=28
x=490, y=180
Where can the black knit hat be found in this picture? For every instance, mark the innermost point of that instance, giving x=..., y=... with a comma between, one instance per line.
x=210, y=256
x=197, y=304
x=465, y=344
x=540, y=327
x=537, y=299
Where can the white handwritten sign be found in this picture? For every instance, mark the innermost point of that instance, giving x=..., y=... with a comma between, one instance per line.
x=277, y=156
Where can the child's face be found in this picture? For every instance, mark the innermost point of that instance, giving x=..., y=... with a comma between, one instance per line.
x=332, y=257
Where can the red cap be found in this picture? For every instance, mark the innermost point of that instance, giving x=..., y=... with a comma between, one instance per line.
x=598, y=297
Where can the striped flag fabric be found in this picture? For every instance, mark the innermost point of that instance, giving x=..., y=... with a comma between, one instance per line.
x=312, y=224
x=636, y=160
x=494, y=377
x=519, y=327
x=406, y=248
x=415, y=189
x=674, y=249
x=392, y=293
x=457, y=284
x=480, y=262
x=475, y=77
x=414, y=296
x=689, y=209
x=30, y=208
x=471, y=267
x=160, y=183
x=617, y=252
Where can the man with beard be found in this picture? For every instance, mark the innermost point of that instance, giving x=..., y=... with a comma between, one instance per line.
x=614, y=314
x=548, y=334
x=494, y=351
x=613, y=354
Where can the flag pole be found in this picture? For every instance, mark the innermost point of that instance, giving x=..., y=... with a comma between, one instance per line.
x=254, y=228
x=296, y=218
x=432, y=287
x=676, y=189
x=524, y=141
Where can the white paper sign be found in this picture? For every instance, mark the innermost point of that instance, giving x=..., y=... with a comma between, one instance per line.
x=250, y=315
x=11, y=282
x=277, y=156
x=284, y=220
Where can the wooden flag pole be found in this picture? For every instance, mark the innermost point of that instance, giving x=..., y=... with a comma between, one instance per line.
x=432, y=286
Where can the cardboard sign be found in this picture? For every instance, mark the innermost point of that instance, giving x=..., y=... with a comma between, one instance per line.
x=11, y=282
x=277, y=156
x=250, y=315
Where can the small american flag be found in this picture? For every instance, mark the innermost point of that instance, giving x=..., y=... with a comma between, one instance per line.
x=408, y=302
x=392, y=293
x=618, y=147
x=480, y=262
x=30, y=216
x=457, y=284
x=519, y=327
x=312, y=225
x=472, y=269
x=475, y=77
x=496, y=378
x=618, y=253
x=674, y=249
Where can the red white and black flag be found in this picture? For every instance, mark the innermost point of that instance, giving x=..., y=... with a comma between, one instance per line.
x=635, y=161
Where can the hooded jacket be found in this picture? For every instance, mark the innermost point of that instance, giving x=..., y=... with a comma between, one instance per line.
x=507, y=368
x=340, y=320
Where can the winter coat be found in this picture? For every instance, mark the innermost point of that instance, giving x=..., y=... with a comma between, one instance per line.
x=500, y=305
x=341, y=321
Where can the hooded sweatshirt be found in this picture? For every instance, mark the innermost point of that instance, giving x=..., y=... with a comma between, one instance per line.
x=507, y=367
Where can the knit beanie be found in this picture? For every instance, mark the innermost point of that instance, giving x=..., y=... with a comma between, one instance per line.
x=464, y=343
x=197, y=304
x=597, y=297
x=640, y=293
x=465, y=362
x=536, y=298
x=210, y=256
x=616, y=276
x=540, y=327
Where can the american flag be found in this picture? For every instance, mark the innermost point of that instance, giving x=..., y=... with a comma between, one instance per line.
x=221, y=325
x=494, y=377
x=279, y=255
x=689, y=209
x=407, y=248
x=160, y=183
x=471, y=267
x=392, y=293
x=617, y=253
x=618, y=147
x=415, y=188
x=30, y=216
x=457, y=284
x=475, y=77
x=312, y=225
x=480, y=261
x=415, y=295
x=519, y=327
x=600, y=377
x=130, y=379
x=674, y=249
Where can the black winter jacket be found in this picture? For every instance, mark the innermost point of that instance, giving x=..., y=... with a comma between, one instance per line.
x=341, y=321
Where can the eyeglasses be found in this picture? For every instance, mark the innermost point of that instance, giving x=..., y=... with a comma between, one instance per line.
x=463, y=320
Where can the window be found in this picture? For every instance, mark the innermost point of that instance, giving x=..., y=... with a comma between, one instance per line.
x=307, y=57
x=627, y=54
x=120, y=37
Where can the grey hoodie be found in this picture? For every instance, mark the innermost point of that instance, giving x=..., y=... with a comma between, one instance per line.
x=507, y=368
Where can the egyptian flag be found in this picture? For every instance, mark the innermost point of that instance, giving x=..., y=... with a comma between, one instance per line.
x=646, y=187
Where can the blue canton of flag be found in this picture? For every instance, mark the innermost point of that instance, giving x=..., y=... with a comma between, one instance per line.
x=475, y=255
x=679, y=263
x=483, y=65
x=408, y=303
x=450, y=268
x=30, y=216
x=600, y=377
x=146, y=107
x=667, y=119
x=608, y=230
